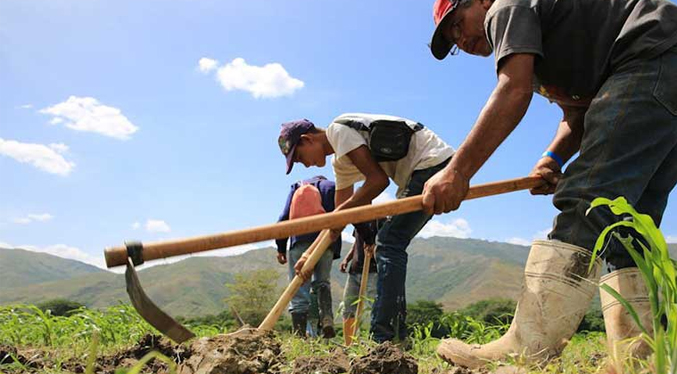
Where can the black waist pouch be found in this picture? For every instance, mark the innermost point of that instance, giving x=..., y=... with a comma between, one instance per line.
x=388, y=140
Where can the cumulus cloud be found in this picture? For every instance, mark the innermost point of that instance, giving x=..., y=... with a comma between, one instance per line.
x=458, y=228
x=154, y=225
x=671, y=239
x=205, y=65
x=26, y=106
x=539, y=235
x=43, y=217
x=63, y=251
x=267, y=81
x=44, y=157
x=88, y=114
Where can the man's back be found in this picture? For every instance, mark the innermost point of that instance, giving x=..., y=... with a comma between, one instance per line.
x=580, y=41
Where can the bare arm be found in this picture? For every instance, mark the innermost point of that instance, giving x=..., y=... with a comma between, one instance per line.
x=499, y=117
x=376, y=180
x=566, y=143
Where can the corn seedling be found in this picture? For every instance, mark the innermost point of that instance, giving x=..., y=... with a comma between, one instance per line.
x=658, y=271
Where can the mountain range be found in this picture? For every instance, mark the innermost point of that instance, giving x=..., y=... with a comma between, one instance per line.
x=454, y=272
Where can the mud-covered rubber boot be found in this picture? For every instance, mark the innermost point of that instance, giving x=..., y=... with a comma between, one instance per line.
x=348, y=331
x=298, y=324
x=326, y=312
x=556, y=291
x=621, y=330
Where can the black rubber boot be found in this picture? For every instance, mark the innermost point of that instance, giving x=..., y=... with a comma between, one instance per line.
x=299, y=322
x=326, y=313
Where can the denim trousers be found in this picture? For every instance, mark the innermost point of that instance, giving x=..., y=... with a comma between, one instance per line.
x=388, y=317
x=629, y=149
x=300, y=303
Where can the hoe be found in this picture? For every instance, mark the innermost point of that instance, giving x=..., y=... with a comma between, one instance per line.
x=135, y=253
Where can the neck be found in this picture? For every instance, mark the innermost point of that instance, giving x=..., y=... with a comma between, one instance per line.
x=326, y=146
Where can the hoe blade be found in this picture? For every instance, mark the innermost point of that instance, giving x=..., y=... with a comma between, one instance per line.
x=151, y=312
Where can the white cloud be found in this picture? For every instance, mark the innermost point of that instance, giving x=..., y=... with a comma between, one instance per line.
x=154, y=225
x=519, y=241
x=458, y=228
x=43, y=157
x=671, y=239
x=26, y=106
x=347, y=235
x=33, y=218
x=539, y=235
x=205, y=65
x=63, y=251
x=88, y=114
x=136, y=225
x=384, y=197
x=268, y=81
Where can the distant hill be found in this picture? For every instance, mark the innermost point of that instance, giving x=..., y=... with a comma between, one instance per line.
x=20, y=268
x=455, y=272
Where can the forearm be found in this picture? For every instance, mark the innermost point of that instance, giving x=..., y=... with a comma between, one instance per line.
x=499, y=117
x=569, y=134
x=366, y=193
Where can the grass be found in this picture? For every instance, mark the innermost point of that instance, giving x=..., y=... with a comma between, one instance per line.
x=88, y=333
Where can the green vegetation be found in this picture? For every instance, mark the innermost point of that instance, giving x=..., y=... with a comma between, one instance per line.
x=253, y=294
x=660, y=276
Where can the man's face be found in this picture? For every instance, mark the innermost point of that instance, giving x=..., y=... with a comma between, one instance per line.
x=466, y=27
x=309, y=152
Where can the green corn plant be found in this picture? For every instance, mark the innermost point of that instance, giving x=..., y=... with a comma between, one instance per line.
x=659, y=273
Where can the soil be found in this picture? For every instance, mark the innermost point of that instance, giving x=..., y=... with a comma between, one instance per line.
x=337, y=363
x=385, y=358
x=129, y=357
x=246, y=351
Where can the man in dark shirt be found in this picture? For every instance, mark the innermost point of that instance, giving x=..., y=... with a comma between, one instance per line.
x=611, y=65
x=320, y=284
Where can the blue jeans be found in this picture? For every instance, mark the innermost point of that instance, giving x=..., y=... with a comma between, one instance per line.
x=389, y=313
x=629, y=149
x=301, y=301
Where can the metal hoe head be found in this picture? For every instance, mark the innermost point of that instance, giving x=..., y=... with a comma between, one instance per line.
x=145, y=306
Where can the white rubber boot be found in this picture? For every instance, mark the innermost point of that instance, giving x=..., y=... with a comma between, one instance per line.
x=555, y=295
x=619, y=325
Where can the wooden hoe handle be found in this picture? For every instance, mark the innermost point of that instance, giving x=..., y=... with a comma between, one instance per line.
x=317, y=249
x=117, y=256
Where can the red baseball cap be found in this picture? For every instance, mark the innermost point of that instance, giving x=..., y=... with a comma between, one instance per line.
x=439, y=45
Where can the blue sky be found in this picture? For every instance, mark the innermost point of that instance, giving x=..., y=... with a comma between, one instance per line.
x=111, y=127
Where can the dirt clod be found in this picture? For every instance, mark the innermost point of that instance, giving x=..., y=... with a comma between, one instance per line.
x=246, y=351
x=6, y=354
x=385, y=358
x=337, y=363
x=129, y=357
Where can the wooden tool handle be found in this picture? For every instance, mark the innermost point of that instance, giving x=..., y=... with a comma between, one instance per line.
x=364, y=281
x=117, y=256
x=317, y=249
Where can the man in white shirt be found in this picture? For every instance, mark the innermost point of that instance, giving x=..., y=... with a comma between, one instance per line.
x=374, y=149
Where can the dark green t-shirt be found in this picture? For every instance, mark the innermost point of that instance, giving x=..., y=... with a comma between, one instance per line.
x=578, y=43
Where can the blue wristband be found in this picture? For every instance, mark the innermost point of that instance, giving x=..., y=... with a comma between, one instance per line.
x=555, y=157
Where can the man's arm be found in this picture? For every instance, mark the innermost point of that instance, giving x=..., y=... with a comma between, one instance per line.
x=282, y=243
x=499, y=117
x=566, y=143
x=376, y=180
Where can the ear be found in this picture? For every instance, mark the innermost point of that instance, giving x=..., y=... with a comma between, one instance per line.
x=486, y=4
x=306, y=137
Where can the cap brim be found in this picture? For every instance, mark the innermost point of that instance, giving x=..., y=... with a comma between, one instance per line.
x=439, y=45
x=290, y=159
